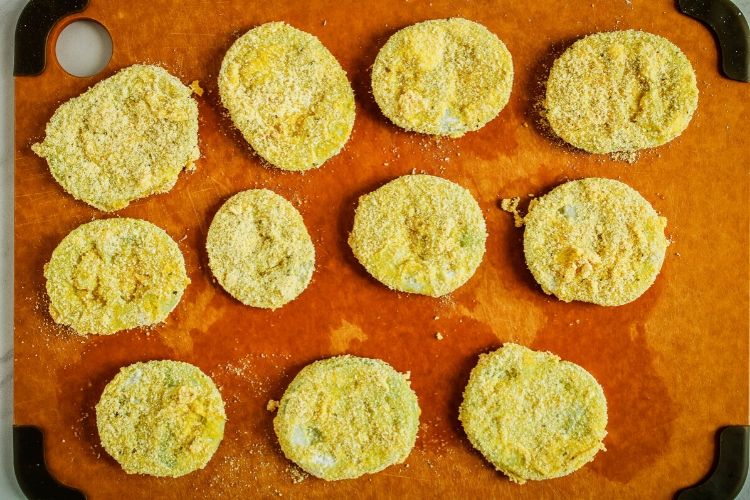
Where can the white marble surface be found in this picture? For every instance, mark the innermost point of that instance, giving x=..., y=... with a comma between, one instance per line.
x=9, y=11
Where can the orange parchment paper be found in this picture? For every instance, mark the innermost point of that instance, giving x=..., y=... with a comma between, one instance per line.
x=673, y=364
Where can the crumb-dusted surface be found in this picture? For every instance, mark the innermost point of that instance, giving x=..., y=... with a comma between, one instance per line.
x=347, y=416
x=259, y=249
x=621, y=91
x=532, y=415
x=442, y=77
x=419, y=234
x=161, y=418
x=695, y=314
x=288, y=96
x=127, y=137
x=594, y=240
x=113, y=274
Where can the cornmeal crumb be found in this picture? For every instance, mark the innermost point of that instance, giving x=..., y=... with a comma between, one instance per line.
x=196, y=87
x=510, y=205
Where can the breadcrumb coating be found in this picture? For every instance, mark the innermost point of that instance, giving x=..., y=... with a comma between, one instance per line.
x=288, y=96
x=594, y=240
x=161, y=418
x=259, y=249
x=419, y=234
x=620, y=92
x=442, y=77
x=125, y=138
x=114, y=274
x=347, y=416
x=532, y=415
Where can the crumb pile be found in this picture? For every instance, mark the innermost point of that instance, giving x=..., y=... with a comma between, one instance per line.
x=510, y=205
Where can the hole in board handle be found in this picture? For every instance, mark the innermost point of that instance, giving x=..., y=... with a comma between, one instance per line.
x=83, y=48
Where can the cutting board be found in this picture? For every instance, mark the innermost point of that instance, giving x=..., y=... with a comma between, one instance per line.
x=673, y=364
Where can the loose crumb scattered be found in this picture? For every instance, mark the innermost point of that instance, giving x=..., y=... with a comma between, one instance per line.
x=626, y=156
x=297, y=474
x=510, y=205
x=196, y=87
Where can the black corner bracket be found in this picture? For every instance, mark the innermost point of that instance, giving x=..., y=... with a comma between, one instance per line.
x=730, y=27
x=31, y=469
x=32, y=30
x=729, y=474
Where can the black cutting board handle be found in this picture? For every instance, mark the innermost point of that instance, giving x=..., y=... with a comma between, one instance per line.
x=730, y=472
x=32, y=30
x=31, y=469
x=730, y=27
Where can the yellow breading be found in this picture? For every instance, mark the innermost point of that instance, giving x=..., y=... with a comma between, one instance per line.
x=532, y=415
x=419, y=234
x=347, y=416
x=114, y=274
x=594, y=240
x=127, y=137
x=161, y=418
x=288, y=96
x=620, y=92
x=259, y=249
x=442, y=77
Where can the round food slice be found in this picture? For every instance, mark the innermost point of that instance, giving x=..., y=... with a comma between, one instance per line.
x=419, y=234
x=114, y=274
x=620, y=91
x=288, y=96
x=127, y=137
x=442, y=77
x=259, y=249
x=594, y=240
x=161, y=418
x=532, y=415
x=347, y=416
